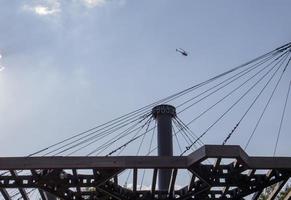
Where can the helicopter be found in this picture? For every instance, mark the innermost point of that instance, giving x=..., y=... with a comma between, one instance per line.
x=182, y=51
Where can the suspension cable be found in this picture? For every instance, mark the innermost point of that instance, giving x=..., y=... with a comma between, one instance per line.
x=266, y=106
x=232, y=78
x=213, y=124
x=187, y=129
x=169, y=98
x=234, y=90
x=282, y=118
x=93, y=139
x=110, y=142
x=257, y=97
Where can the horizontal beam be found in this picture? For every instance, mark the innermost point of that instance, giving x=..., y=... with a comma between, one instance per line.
x=30, y=163
x=269, y=163
x=127, y=162
x=236, y=152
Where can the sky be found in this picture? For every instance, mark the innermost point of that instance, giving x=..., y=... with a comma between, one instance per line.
x=68, y=65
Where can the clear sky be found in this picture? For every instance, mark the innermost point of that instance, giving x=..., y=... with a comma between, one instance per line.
x=73, y=64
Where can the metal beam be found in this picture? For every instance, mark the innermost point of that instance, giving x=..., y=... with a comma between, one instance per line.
x=154, y=180
x=48, y=195
x=5, y=194
x=277, y=189
x=21, y=190
x=259, y=192
x=161, y=162
x=41, y=192
x=134, y=181
x=29, y=163
x=207, y=182
x=172, y=182
x=75, y=174
x=269, y=162
x=192, y=182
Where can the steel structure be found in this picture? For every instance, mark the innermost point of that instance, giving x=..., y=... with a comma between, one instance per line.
x=217, y=171
x=236, y=180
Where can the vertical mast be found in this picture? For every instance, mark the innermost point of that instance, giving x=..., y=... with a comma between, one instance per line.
x=163, y=115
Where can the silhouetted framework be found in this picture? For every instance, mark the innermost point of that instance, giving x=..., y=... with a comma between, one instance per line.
x=61, y=176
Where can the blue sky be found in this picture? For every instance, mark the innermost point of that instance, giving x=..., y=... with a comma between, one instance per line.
x=72, y=64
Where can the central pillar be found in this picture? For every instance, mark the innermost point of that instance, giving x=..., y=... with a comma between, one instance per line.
x=163, y=115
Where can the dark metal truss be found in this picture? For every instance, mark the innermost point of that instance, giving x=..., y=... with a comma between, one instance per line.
x=235, y=180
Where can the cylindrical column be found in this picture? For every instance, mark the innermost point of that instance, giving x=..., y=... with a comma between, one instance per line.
x=163, y=115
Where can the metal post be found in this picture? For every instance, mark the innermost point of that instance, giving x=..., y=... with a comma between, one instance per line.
x=163, y=115
x=49, y=196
